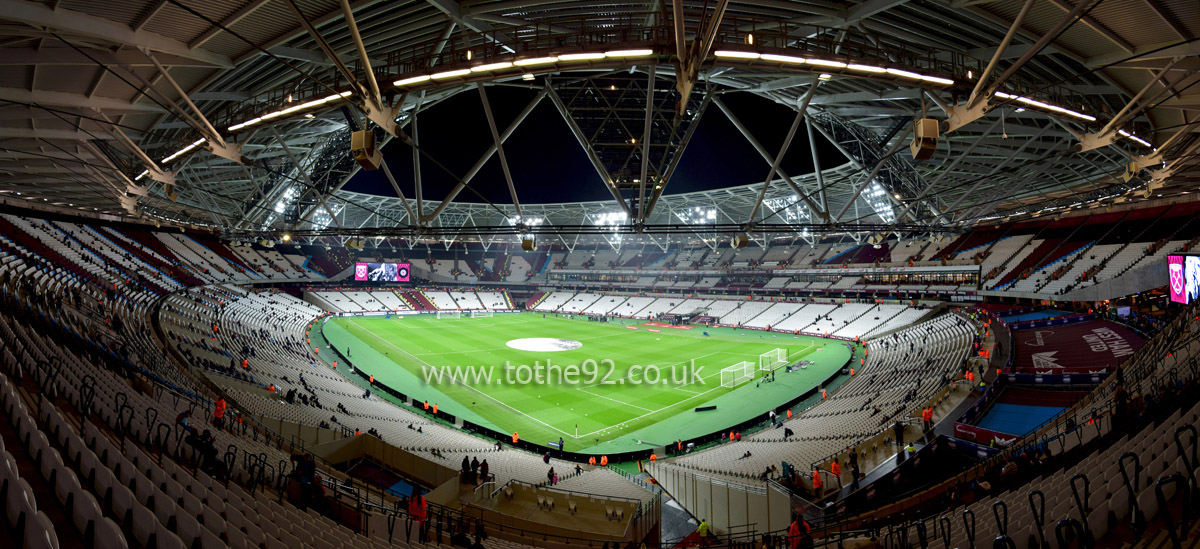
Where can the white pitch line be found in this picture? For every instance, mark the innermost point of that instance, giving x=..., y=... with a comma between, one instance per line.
x=675, y=364
x=654, y=412
x=663, y=408
x=484, y=350
x=564, y=433
x=497, y=401
x=615, y=400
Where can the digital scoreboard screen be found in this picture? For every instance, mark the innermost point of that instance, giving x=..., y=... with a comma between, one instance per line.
x=1184, y=273
x=381, y=272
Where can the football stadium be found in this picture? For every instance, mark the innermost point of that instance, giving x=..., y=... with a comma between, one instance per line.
x=352, y=274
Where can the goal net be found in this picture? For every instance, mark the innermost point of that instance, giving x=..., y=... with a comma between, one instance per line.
x=737, y=374
x=481, y=314
x=449, y=314
x=772, y=359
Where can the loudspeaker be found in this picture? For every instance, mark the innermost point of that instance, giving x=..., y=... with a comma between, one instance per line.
x=528, y=244
x=362, y=144
x=169, y=190
x=1131, y=171
x=925, y=138
x=740, y=241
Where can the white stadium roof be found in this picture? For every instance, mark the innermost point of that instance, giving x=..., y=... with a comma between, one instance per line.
x=227, y=114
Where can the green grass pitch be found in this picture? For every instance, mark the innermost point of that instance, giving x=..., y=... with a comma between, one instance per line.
x=601, y=409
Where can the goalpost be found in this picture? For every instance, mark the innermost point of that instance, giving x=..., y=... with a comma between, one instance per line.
x=737, y=374
x=449, y=314
x=772, y=359
x=481, y=314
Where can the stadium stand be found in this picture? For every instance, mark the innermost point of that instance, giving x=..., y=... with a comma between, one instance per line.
x=1088, y=467
x=981, y=338
x=903, y=371
x=216, y=327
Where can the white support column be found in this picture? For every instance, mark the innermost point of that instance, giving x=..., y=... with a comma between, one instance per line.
x=605, y=177
x=304, y=174
x=984, y=76
x=487, y=110
x=1108, y=134
x=787, y=143
x=399, y=193
x=874, y=171
x=762, y=151
x=486, y=156
x=646, y=145
x=418, y=187
x=214, y=142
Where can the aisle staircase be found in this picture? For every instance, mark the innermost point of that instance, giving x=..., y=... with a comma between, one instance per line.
x=407, y=300
x=422, y=301
x=534, y=301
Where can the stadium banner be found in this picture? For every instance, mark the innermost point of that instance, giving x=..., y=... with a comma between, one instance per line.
x=984, y=403
x=822, y=335
x=401, y=313
x=379, y=313
x=981, y=451
x=1092, y=347
x=381, y=272
x=1057, y=379
x=983, y=436
x=1046, y=322
x=664, y=325
x=788, y=272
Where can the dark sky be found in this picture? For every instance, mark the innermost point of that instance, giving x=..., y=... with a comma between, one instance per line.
x=548, y=165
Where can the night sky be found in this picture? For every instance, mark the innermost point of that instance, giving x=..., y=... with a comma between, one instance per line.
x=548, y=165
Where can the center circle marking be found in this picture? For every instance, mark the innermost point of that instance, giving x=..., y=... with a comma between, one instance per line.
x=544, y=344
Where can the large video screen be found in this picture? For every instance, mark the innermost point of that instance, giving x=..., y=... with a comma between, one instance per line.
x=1184, y=271
x=381, y=272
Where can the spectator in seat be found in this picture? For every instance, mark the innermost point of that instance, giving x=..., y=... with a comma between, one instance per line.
x=183, y=419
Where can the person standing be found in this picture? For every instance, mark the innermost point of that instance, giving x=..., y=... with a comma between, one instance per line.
x=219, y=414
x=797, y=531
x=417, y=508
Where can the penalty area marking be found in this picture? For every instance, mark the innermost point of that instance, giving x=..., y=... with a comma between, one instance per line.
x=615, y=400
